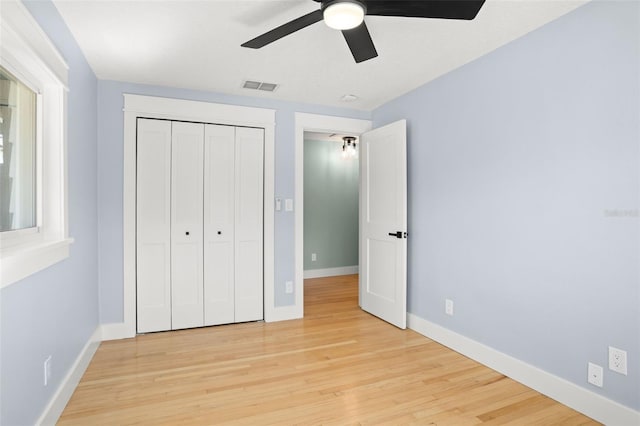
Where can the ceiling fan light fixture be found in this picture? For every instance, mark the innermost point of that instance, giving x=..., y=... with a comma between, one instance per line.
x=344, y=15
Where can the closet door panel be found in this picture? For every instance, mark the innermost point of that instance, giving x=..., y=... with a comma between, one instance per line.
x=219, y=211
x=153, y=225
x=249, y=177
x=187, y=225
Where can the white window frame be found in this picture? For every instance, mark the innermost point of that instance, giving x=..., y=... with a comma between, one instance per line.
x=29, y=55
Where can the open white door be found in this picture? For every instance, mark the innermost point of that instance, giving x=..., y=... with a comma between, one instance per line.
x=383, y=223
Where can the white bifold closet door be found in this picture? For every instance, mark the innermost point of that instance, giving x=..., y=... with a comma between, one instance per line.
x=153, y=226
x=187, y=304
x=219, y=228
x=249, y=201
x=199, y=224
x=233, y=224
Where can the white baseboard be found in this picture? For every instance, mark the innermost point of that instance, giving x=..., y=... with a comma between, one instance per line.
x=120, y=330
x=284, y=313
x=331, y=272
x=580, y=399
x=116, y=331
x=62, y=395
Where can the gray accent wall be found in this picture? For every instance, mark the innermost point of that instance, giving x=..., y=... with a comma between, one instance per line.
x=524, y=189
x=55, y=311
x=330, y=206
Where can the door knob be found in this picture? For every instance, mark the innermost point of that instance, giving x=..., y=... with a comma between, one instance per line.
x=398, y=234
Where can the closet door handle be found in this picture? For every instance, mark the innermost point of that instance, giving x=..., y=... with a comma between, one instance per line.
x=219, y=232
x=186, y=233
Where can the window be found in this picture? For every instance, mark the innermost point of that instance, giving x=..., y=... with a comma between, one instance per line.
x=33, y=185
x=17, y=154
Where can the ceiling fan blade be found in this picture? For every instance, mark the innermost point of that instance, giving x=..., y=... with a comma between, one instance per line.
x=446, y=9
x=284, y=30
x=360, y=43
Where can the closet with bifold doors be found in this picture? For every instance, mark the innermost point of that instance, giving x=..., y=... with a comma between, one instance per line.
x=199, y=224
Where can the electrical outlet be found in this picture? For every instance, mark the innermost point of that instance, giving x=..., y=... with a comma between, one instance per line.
x=617, y=360
x=314, y=257
x=594, y=374
x=47, y=370
x=448, y=307
x=288, y=287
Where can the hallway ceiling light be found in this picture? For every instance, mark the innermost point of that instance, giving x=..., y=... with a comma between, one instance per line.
x=349, y=147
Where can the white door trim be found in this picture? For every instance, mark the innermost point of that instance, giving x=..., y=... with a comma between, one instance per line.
x=312, y=123
x=178, y=109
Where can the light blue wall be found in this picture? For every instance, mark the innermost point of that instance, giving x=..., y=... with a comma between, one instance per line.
x=514, y=162
x=330, y=206
x=55, y=311
x=110, y=154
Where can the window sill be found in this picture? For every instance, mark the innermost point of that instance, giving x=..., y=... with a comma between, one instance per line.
x=21, y=261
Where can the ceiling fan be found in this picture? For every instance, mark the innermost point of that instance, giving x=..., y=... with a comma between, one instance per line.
x=348, y=16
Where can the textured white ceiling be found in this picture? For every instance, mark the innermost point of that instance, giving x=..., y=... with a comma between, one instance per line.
x=196, y=45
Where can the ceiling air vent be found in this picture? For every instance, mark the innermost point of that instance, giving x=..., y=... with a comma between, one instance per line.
x=259, y=85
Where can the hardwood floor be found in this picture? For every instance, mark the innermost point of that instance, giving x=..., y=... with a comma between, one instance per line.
x=337, y=366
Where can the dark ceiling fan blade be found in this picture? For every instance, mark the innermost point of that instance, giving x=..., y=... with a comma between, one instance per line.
x=284, y=30
x=360, y=43
x=446, y=9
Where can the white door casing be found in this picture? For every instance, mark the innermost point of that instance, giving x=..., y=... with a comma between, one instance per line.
x=187, y=306
x=153, y=248
x=383, y=211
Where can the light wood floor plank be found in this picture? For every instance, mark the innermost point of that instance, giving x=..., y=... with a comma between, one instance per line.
x=337, y=366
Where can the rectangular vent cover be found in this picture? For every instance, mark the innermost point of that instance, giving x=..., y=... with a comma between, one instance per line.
x=259, y=85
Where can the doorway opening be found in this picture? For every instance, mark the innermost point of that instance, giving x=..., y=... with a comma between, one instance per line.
x=329, y=183
x=331, y=205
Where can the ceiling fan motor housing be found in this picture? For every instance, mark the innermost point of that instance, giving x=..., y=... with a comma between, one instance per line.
x=343, y=14
x=326, y=3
